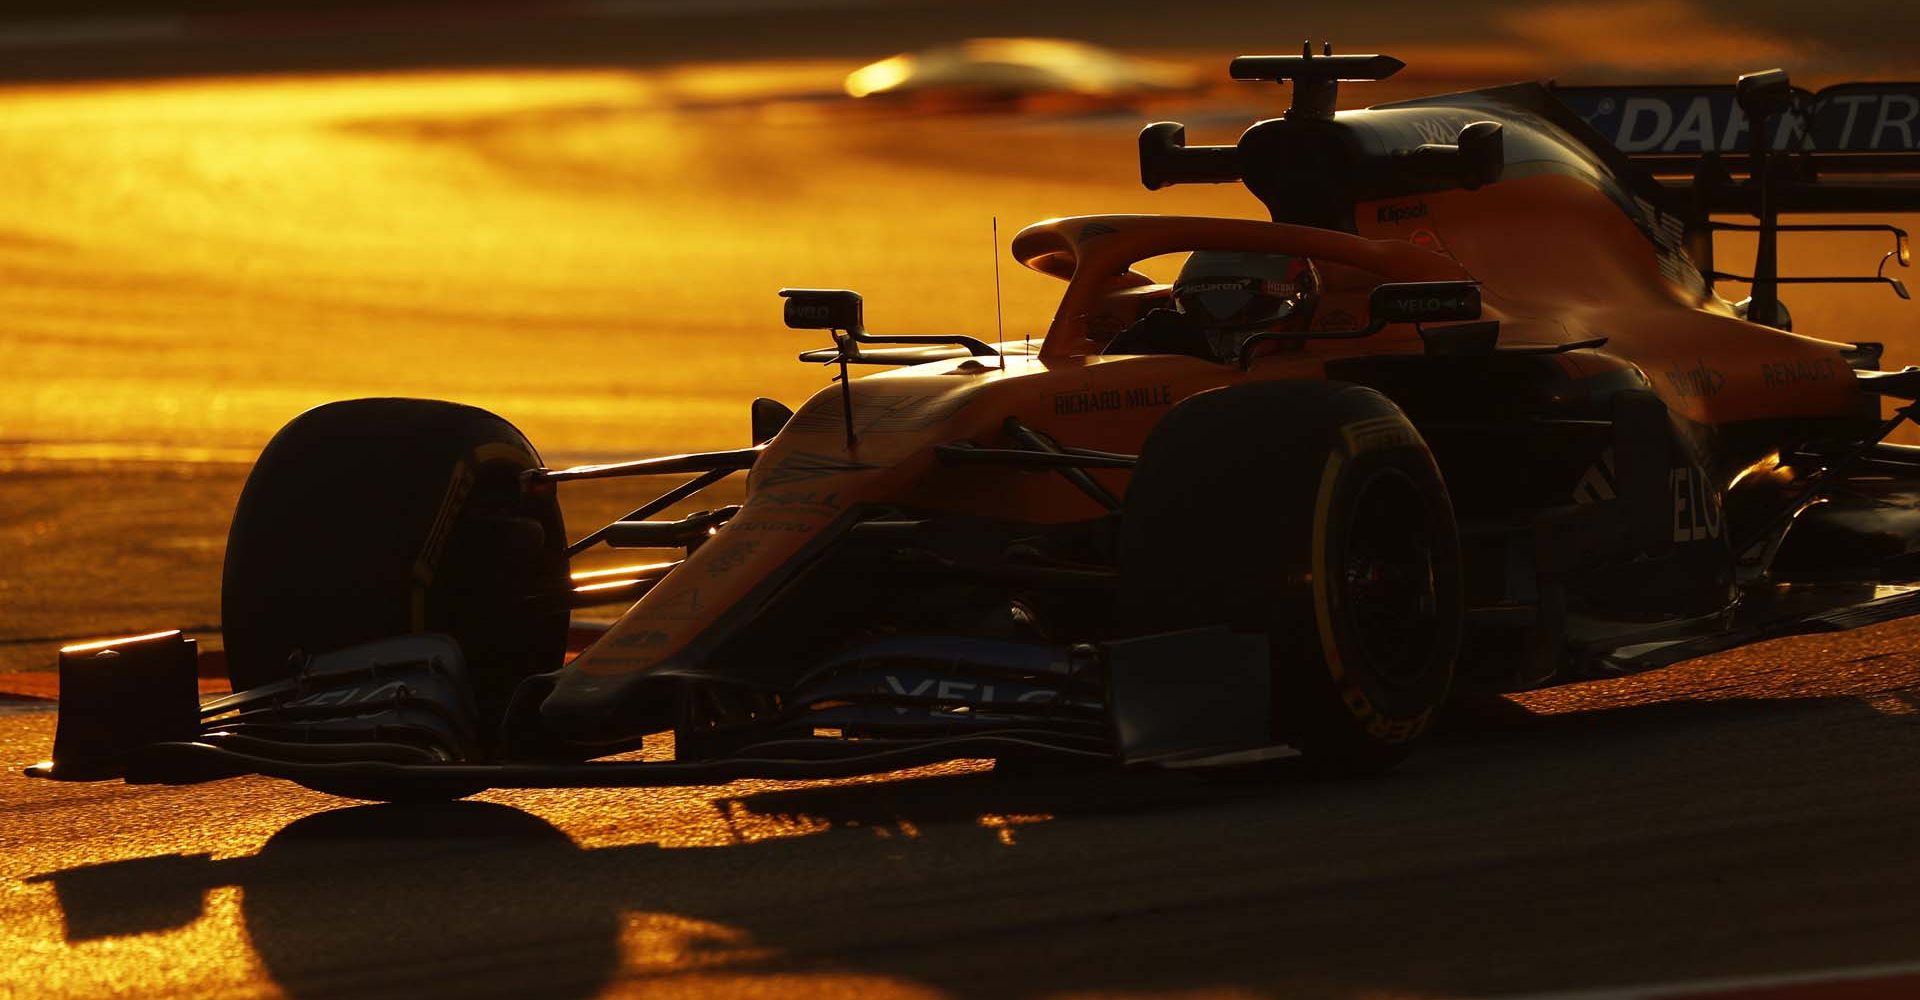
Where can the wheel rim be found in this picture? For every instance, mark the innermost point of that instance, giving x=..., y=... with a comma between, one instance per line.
x=1387, y=578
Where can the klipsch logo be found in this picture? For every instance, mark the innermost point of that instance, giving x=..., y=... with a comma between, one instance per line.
x=1403, y=212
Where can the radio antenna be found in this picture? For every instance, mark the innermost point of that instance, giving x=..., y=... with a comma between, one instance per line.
x=999, y=314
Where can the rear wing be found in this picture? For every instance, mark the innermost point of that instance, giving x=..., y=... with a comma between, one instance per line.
x=1764, y=147
x=1852, y=147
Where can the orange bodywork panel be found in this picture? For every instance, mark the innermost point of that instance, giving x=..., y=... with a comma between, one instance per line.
x=1559, y=263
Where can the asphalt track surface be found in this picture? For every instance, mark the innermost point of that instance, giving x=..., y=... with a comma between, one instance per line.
x=590, y=250
x=1749, y=814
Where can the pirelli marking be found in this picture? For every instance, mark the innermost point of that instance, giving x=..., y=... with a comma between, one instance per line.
x=1376, y=433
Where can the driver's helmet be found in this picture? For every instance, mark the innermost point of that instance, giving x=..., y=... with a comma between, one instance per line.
x=1229, y=291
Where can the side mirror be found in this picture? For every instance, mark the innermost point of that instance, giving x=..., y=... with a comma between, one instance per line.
x=823, y=309
x=1483, y=154
x=769, y=417
x=1166, y=159
x=1425, y=302
x=1476, y=157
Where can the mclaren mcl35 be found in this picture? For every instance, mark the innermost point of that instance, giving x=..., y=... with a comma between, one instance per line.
x=1468, y=413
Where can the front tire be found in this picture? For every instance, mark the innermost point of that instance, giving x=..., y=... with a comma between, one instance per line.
x=1311, y=512
x=372, y=518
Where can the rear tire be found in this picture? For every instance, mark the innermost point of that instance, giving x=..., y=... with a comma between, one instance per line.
x=372, y=518
x=1311, y=512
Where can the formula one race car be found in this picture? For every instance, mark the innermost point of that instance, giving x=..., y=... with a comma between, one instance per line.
x=1467, y=414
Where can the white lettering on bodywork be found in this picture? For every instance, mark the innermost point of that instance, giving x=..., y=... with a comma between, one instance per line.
x=1904, y=123
x=1696, y=125
x=1736, y=126
x=1630, y=118
x=1852, y=102
x=1696, y=515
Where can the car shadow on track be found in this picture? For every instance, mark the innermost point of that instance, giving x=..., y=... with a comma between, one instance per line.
x=1521, y=852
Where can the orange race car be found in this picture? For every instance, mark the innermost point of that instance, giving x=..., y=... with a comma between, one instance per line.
x=1468, y=413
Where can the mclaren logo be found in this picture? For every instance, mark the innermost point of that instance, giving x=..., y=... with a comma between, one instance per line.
x=1093, y=229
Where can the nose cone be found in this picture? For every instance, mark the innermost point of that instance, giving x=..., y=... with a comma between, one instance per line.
x=601, y=710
